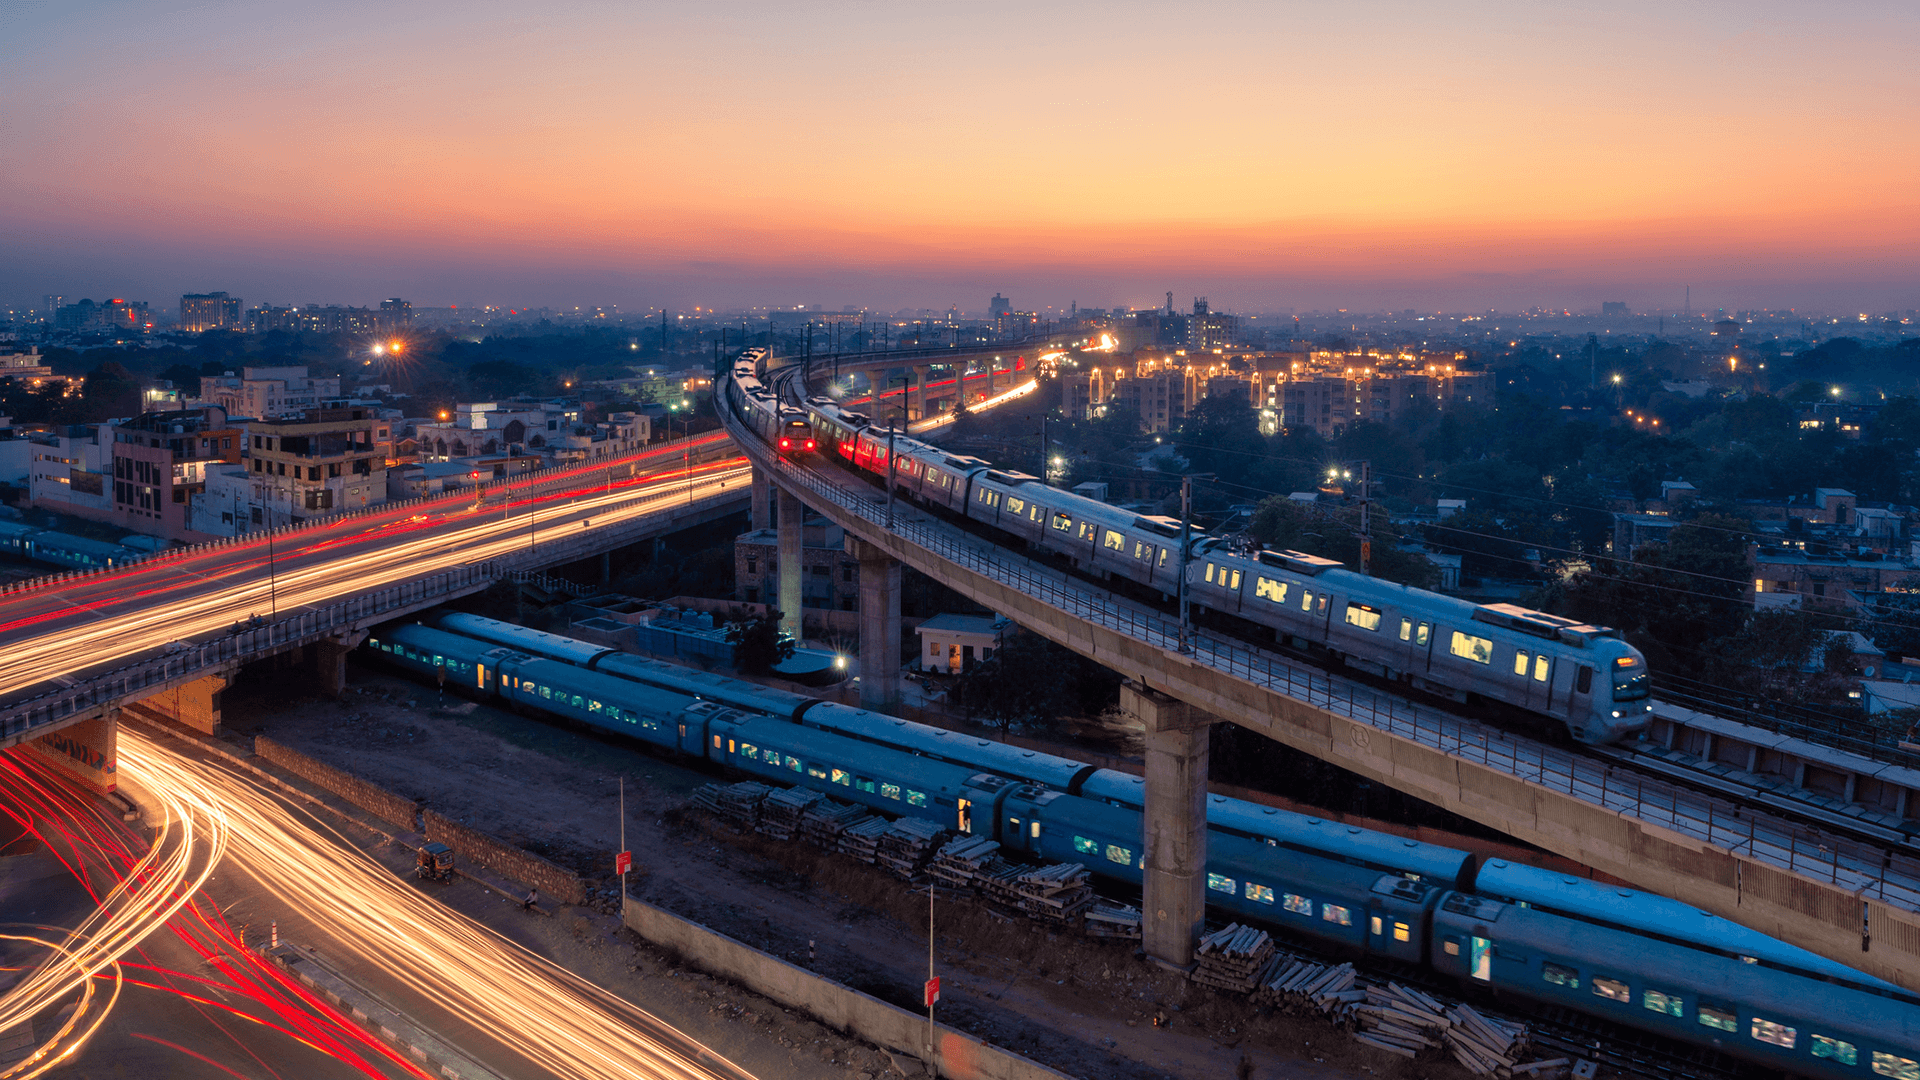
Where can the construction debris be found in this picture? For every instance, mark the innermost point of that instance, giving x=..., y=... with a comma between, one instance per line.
x=1233, y=959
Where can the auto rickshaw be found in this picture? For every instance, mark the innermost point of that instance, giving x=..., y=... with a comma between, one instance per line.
x=435, y=863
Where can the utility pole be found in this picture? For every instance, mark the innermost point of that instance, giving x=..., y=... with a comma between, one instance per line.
x=933, y=984
x=890, y=474
x=1044, y=468
x=1186, y=527
x=1366, y=532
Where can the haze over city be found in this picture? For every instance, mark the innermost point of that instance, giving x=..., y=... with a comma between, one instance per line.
x=1459, y=157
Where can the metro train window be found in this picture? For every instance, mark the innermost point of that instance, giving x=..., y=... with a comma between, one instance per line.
x=1364, y=617
x=1016, y=506
x=1477, y=649
x=1036, y=513
x=843, y=777
x=1560, y=976
x=1584, y=683
x=1234, y=585
x=1221, y=883
x=1140, y=550
x=1336, y=914
x=1087, y=529
x=1420, y=635
x=1520, y=662
x=916, y=798
x=1269, y=589
x=1163, y=557
x=1612, y=989
x=1299, y=905
x=1118, y=854
x=1306, y=600
x=1767, y=1031
x=1406, y=629
x=1885, y=1064
x=1656, y=1001
x=1085, y=846
x=1261, y=893
x=1113, y=541
x=1719, y=1019
x=891, y=791
x=1062, y=522
x=1541, y=665
x=1835, y=1050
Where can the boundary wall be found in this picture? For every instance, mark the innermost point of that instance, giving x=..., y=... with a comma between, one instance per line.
x=377, y=800
x=957, y=1055
x=501, y=857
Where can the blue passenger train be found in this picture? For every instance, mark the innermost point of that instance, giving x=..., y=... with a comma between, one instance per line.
x=1635, y=959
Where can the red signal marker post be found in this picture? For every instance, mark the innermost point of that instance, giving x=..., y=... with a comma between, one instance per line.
x=933, y=991
x=622, y=862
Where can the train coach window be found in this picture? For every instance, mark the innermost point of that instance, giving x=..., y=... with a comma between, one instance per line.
x=1402, y=932
x=1406, y=629
x=1477, y=649
x=1061, y=522
x=1222, y=884
x=1835, y=1050
x=1612, y=989
x=1113, y=541
x=1480, y=959
x=842, y=777
x=547, y=693
x=916, y=798
x=716, y=742
x=891, y=791
x=1118, y=854
x=796, y=764
x=1520, y=663
x=1364, y=617
x=594, y=706
x=1718, y=1019
x=749, y=751
x=1885, y=1064
x=1560, y=976
x=1260, y=893
x=861, y=783
x=1656, y=1001
x=1767, y=1031
x=1374, y=926
x=1299, y=905
x=1033, y=829
x=1085, y=846
x=1583, y=683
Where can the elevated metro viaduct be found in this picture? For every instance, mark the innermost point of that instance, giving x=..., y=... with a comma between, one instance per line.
x=1178, y=696
x=74, y=725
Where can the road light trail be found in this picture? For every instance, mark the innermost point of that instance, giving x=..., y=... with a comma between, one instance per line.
x=554, y=1019
x=393, y=552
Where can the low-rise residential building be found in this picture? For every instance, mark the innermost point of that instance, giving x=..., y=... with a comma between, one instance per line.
x=70, y=469
x=1631, y=532
x=553, y=430
x=830, y=578
x=321, y=461
x=950, y=644
x=269, y=392
x=143, y=473
x=418, y=479
x=1786, y=578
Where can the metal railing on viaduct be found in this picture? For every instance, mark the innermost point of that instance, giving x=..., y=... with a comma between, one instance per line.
x=1849, y=899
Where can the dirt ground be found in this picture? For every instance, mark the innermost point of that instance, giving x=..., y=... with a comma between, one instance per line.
x=1083, y=1007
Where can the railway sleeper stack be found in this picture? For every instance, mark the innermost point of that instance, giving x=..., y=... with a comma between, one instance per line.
x=996, y=882
x=738, y=803
x=1233, y=959
x=961, y=859
x=1110, y=921
x=1054, y=893
x=1487, y=1046
x=1293, y=985
x=1399, y=1020
x=780, y=812
x=824, y=821
x=861, y=839
x=906, y=845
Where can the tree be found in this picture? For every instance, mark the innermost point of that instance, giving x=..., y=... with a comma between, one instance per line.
x=112, y=391
x=1283, y=524
x=758, y=644
x=1029, y=682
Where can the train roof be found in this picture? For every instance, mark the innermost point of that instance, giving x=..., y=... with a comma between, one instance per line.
x=874, y=762
x=440, y=641
x=605, y=688
x=524, y=638
x=735, y=692
x=1396, y=854
x=1644, y=912
x=1030, y=766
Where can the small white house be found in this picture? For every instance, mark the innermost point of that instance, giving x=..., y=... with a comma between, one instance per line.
x=948, y=643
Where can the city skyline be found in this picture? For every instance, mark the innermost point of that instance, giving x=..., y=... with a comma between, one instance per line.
x=1386, y=157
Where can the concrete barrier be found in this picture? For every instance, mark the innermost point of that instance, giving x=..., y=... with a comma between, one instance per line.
x=958, y=1055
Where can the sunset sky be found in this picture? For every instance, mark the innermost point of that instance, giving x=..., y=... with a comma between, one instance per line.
x=1445, y=156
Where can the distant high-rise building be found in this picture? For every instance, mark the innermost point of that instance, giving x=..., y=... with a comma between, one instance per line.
x=1206, y=330
x=51, y=303
x=1613, y=307
x=125, y=314
x=200, y=312
x=395, y=314
x=998, y=306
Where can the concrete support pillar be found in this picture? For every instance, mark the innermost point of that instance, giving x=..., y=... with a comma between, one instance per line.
x=920, y=391
x=792, y=557
x=88, y=751
x=195, y=704
x=330, y=660
x=879, y=626
x=762, y=513
x=1174, y=887
x=606, y=567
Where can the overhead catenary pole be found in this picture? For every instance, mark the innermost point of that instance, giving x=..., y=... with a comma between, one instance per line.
x=1186, y=525
x=1366, y=531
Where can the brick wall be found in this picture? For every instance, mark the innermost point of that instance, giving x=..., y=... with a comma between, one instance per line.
x=388, y=806
x=504, y=858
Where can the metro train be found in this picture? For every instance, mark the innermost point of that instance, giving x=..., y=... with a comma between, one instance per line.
x=1581, y=679
x=1634, y=959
